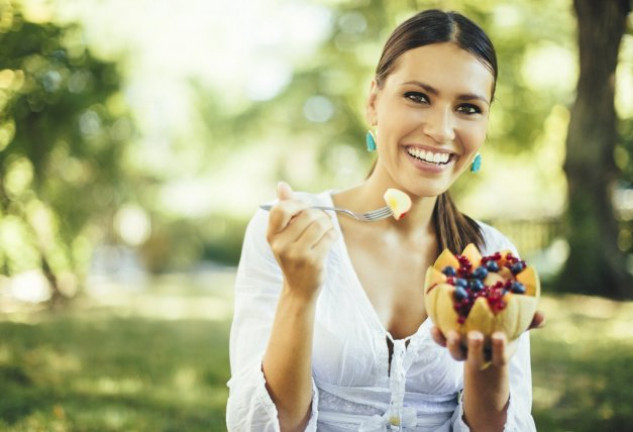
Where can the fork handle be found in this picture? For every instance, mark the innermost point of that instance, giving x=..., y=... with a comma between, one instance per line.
x=267, y=207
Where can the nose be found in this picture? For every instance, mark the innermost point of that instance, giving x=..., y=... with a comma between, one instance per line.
x=439, y=125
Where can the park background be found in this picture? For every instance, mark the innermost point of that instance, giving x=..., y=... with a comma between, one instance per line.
x=137, y=137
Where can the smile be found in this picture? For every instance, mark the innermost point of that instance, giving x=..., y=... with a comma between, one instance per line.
x=438, y=158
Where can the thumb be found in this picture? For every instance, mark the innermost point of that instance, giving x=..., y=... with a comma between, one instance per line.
x=284, y=191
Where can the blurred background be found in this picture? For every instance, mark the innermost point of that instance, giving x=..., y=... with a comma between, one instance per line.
x=137, y=138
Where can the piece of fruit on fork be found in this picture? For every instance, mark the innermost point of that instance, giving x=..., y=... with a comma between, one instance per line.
x=398, y=201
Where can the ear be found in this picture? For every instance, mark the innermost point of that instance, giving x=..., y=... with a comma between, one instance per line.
x=370, y=107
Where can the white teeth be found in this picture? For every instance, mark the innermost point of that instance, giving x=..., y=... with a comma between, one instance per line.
x=437, y=158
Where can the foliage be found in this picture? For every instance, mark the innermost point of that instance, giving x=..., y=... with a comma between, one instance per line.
x=321, y=110
x=63, y=130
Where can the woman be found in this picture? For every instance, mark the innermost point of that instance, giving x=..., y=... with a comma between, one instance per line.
x=330, y=332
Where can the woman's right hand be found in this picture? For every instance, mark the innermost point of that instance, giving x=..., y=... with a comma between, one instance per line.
x=300, y=239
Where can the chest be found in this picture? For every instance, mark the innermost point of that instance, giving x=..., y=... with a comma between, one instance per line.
x=391, y=273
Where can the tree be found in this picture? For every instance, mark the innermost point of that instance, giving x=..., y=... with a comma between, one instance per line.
x=63, y=129
x=595, y=264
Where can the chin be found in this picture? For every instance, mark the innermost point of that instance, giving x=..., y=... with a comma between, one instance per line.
x=426, y=191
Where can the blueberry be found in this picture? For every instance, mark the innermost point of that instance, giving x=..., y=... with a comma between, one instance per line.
x=460, y=293
x=492, y=266
x=449, y=271
x=476, y=285
x=517, y=267
x=461, y=282
x=517, y=288
x=480, y=273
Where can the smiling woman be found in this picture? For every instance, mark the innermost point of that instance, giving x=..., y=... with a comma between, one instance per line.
x=436, y=100
x=330, y=331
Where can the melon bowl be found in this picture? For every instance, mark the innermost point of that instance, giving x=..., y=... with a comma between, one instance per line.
x=491, y=293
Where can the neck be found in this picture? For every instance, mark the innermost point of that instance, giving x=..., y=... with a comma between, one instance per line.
x=369, y=196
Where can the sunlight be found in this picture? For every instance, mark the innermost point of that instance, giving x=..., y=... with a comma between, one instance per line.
x=133, y=224
x=30, y=286
x=624, y=79
x=550, y=66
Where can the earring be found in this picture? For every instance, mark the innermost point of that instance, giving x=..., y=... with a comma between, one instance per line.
x=370, y=140
x=476, y=165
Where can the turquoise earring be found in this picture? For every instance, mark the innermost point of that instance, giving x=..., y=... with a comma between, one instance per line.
x=370, y=140
x=476, y=165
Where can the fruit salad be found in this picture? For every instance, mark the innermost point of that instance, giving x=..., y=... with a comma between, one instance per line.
x=491, y=293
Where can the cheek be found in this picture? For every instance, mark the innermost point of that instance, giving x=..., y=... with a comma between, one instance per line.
x=398, y=121
x=473, y=136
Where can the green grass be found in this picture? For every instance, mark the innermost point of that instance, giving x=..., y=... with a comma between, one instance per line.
x=144, y=361
x=158, y=361
x=113, y=374
x=582, y=365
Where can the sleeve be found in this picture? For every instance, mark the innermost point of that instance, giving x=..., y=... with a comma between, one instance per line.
x=520, y=406
x=257, y=287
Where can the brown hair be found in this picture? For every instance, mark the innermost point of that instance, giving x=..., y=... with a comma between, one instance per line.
x=454, y=229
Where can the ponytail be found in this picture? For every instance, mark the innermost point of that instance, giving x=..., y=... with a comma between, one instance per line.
x=454, y=229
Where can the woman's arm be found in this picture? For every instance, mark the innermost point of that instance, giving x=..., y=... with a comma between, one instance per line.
x=486, y=386
x=299, y=239
x=287, y=362
x=496, y=396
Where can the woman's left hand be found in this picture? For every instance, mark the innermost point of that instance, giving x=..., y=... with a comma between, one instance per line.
x=471, y=347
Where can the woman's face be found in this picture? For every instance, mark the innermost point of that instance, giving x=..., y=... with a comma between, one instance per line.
x=430, y=116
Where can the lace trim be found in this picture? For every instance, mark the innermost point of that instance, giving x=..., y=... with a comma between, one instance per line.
x=331, y=402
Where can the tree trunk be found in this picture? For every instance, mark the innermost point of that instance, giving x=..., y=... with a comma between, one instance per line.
x=595, y=264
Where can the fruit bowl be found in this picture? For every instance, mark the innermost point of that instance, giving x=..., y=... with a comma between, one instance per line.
x=491, y=293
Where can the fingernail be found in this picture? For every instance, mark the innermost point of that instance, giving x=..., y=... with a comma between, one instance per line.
x=475, y=336
x=499, y=336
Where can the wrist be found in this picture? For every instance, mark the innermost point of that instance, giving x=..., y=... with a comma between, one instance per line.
x=492, y=382
x=299, y=297
x=486, y=396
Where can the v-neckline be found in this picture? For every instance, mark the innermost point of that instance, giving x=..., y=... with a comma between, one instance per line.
x=359, y=290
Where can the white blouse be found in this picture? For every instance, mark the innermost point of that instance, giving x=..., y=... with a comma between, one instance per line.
x=353, y=389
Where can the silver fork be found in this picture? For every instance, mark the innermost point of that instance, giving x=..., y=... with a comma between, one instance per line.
x=370, y=216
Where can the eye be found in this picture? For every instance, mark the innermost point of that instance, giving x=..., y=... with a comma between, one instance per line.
x=417, y=97
x=469, y=109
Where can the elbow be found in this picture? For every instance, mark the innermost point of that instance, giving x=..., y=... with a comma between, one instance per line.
x=294, y=421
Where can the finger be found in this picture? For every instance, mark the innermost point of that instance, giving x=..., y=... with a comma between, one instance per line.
x=476, y=356
x=454, y=345
x=307, y=228
x=318, y=225
x=284, y=191
x=324, y=244
x=283, y=213
x=438, y=336
x=499, y=345
x=538, y=321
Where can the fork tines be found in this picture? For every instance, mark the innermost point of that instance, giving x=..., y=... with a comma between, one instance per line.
x=378, y=214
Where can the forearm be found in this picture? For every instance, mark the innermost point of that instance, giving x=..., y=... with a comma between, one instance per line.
x=486, y=396
x=287, y=362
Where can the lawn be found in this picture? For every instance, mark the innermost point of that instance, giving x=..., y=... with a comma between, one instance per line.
x=157, y=360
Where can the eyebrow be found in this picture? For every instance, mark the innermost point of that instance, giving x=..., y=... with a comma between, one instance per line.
x=435, y=92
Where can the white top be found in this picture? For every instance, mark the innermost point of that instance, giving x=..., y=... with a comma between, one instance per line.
x=352, y=387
